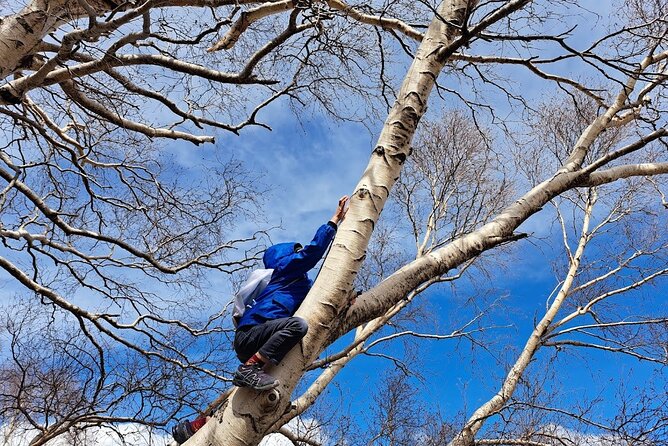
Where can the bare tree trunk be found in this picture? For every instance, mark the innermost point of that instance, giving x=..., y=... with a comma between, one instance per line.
x=248, y=415
x=22, y=32
x=466, y=436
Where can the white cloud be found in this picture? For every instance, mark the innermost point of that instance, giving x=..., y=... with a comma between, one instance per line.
x=133, y=434
x=130, y=434
x=307, y=428
x=574, y=437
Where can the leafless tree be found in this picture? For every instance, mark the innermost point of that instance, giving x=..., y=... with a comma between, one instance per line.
x=603, y=300
x=84, y=190
x=585, y=309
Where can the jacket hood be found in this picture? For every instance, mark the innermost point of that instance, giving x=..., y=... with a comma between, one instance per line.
x=275, y=253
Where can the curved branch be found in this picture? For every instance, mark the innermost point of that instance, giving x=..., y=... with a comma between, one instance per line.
x=54, y=217
x=626, y=171
x=94, y=319
x=382, y=22
x=624, y=350
x=296, y=439
x=531, y=65
x=106, y=63
x=246, y=19
x=95, y=107
x=508, y=442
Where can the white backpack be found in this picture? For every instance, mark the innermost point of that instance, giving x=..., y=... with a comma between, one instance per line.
x=245, y=297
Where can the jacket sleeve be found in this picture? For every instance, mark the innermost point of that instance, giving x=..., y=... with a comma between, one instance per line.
x=301, y=262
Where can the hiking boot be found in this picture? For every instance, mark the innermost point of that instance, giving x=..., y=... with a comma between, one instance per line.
x=182, y=431
x=186, y=429
x=253, y=376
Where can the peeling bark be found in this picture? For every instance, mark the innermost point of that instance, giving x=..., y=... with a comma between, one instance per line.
x=235, y=426
x=22, y=32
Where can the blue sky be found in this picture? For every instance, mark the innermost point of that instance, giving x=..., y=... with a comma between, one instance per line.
x=308, y=163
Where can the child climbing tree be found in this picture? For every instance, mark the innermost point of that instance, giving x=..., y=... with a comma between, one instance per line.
x=84, y=201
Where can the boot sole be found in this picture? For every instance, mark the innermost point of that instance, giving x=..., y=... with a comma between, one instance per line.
x=237, y=383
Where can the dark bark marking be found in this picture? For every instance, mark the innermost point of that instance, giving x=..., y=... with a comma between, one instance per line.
x=8, y=97
x=270, y=400
x=369, y=220
x=429, y=73
x=416, y=97
x=399, y=157
x=400, y=124
x=25, y=25
x=342, y=246
x=330, y=305
x=111, y=4
x=31, y=61
x=250, y=418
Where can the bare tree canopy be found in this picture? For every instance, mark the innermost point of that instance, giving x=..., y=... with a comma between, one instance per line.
x=542, y=114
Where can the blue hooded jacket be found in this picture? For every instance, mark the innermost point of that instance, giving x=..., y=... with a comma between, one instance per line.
x=289, y=283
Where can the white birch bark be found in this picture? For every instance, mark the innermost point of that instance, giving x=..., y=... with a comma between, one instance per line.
x=572, y=174
x=466, y=436
x=22, y=32
x=247, y=415
x=379, y=299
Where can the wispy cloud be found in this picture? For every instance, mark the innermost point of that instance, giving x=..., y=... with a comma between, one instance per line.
x=572, y=437
x=135, y=434
x=127, y=434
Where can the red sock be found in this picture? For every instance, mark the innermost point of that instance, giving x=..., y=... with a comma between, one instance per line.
x=198, y=423
x=255, y=359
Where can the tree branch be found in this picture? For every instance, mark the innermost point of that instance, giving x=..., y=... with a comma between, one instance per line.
x=246, y=19
x=626, y=171
x=382, y=22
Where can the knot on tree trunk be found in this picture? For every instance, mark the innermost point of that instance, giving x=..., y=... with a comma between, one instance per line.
x=269, y=400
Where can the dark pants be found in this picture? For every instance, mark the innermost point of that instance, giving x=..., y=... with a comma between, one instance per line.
x=273, y=339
